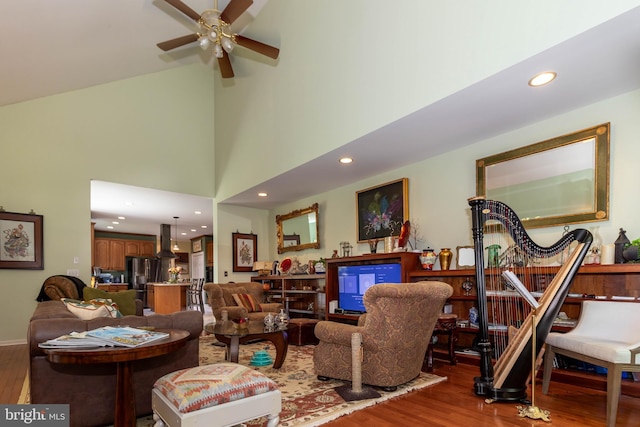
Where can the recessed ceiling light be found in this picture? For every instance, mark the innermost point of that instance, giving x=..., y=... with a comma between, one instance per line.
x=183, y=234
x=121, y=217
x=193, y=230
x=197, y=212
x=346, y=160
x=262, y=194
x=542, y=79
x=110, y=227
x=115, y=222
x=203, y=226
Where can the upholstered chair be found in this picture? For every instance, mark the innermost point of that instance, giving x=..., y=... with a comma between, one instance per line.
x=395, y=334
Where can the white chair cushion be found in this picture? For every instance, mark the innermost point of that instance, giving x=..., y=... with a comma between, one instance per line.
x=606, y=331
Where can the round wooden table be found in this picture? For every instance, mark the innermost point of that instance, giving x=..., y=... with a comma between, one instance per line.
x=123, y=357
x=228, y=334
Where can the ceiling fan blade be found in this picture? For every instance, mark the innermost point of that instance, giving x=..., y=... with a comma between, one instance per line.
x=184, y=9
x=225, y=65
x=234, y=9
x=256, y=46
x=177, y=42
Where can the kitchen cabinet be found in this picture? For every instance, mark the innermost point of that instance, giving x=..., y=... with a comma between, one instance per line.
x=303, y=294
x=113, y=287
x=209, y=250
x=109, y=254
x=139, y=248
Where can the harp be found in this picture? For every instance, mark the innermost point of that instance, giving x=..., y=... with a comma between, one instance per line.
x=507, y=379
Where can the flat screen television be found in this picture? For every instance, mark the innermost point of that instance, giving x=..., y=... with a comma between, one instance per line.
x=354, y=280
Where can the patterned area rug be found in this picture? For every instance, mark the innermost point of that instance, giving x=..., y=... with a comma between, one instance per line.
x=306, y=401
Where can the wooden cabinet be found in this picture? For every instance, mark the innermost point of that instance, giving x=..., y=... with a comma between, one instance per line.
x=209, y=250
x=599, y=282
x=101, y=254
x=109, y=254
x=302, y=294
x=113, y=287
x=409, y=261
x=131, y=248
x=147, y=248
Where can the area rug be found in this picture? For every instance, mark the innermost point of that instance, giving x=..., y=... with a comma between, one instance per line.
x=306, y=401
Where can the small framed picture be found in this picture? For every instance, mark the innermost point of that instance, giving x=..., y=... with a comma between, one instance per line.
x=245, y=251
x=196, y=246
x=21, y=241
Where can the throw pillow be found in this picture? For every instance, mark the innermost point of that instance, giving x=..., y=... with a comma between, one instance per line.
x=227, y=294
x=247, y=301
x=87, y=311
x=126, y=300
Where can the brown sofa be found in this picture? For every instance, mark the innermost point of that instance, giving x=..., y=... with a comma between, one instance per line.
x=90, y=389
x=219, y=296
x=395, y=334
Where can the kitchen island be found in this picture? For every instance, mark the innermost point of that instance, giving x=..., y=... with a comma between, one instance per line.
x=168, y=297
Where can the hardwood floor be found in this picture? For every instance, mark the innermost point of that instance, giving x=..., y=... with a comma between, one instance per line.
x=449, y=404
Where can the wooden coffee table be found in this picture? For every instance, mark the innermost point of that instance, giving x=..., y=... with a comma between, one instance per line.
x=228, y=334
x=123, y=357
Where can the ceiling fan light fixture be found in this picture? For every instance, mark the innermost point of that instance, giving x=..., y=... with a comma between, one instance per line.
x=204, y=42
x=217, y=49
x=227, y=44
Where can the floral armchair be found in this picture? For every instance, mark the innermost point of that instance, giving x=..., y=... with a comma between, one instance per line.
x=395, y=334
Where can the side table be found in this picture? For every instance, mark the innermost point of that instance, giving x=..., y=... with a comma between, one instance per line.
x=446, y=325
x=123, y=357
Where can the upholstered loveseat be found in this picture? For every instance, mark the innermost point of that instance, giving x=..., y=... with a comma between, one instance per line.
x=90, y=389
x=220, y=297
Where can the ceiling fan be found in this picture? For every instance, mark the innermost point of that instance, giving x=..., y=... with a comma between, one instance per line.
x=215, y=28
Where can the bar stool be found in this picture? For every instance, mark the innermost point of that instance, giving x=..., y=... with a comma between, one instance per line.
x=445, y=325
x=194, y=295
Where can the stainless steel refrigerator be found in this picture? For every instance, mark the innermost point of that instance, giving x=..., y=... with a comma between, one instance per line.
x=140, y=271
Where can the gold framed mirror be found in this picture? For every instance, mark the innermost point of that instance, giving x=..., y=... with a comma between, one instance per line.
x=563, y=180
x=298, y=230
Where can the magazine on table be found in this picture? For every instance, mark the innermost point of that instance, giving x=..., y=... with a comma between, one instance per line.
x=124, y=336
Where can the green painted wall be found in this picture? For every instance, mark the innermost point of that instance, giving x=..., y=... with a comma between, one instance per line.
x=133, y=132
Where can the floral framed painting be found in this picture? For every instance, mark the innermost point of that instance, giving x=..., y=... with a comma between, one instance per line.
x=382, y=210
x=21, y=246
x=245, y=251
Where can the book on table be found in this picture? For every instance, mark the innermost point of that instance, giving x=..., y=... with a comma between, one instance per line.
x=121, y=336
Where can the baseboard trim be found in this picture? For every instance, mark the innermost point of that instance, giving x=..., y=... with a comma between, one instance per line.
x=13, y=342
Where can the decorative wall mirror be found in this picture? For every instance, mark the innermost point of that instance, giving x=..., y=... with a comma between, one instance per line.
x=298, y=230
x=564, y=180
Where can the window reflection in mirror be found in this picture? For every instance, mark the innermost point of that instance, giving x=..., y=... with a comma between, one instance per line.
x=559, y=181
x=298, y=230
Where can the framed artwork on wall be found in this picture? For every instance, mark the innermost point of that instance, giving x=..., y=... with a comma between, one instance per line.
x=196, y=246
x=245, y=251
x=382, y=210
x=21, y=241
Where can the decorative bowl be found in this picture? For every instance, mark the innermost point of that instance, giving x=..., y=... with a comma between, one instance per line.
x=240, y=322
